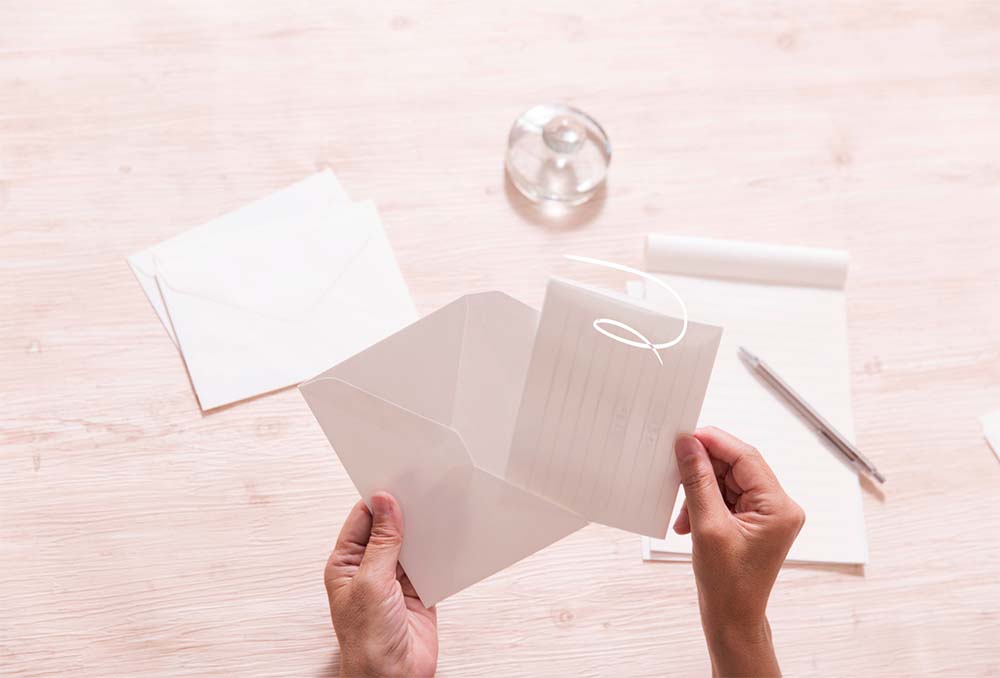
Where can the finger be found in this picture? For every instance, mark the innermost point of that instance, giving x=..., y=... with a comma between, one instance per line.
x=701, y=486
x=732, y=484
x=683, y=523
x=349, y=549
x=724, y=446
x=355, y=532
x=412, y=600
x=749, y=470
x=731, y=498
x=382, y=552
x=404, y=583
x=720, y=467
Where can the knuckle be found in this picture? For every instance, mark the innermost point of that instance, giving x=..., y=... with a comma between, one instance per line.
x=335, y=571
x=384, y=534
x=794, y=517
x=703, y=480
x=330, y=577
x=698, y=488
x=799, y=515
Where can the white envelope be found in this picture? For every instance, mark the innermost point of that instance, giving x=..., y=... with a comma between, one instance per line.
x=321, y=190
x=428, y=415
x=501, y=430
x=271, y=303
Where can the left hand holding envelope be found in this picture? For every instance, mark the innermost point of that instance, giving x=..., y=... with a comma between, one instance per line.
x=382, y=626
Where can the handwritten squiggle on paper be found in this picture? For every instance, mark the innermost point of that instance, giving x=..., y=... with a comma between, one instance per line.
x=600, y=323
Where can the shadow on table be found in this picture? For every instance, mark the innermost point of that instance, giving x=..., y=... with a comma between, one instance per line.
x=871, y=488
x=851, y=569
x=840, y=568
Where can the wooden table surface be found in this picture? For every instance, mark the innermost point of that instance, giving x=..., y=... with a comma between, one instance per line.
x=139, y=537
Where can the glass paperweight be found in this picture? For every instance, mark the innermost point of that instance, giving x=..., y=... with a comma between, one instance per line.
x=557, y=154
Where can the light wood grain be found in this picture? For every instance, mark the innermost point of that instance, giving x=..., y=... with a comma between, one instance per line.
x=138, y=537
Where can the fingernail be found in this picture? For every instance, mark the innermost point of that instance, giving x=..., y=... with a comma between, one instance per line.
x=686, y=447
x=381, y=506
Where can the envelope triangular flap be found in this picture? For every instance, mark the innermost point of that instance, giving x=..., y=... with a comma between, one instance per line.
x=278, y=266
x=498, y=336
x=416, y=367
x=319, y=191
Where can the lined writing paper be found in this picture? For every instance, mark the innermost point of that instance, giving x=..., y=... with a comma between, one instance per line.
x=598, y=419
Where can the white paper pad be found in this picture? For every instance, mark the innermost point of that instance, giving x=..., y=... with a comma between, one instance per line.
x=272, y=293
x=429, y=414
x=598, y=419
x=792, y=315
x=991, y=429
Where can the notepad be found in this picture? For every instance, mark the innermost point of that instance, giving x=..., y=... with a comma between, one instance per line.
x=786, y=304
x=598, y=418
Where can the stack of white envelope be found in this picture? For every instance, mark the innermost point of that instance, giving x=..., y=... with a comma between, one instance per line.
x=268, y=295
x=501, y=430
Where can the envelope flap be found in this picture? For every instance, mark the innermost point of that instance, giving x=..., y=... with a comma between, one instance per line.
x=416, y=367
x=308, y=195
x=275, y=265
x=380, y=441
x=312, y=193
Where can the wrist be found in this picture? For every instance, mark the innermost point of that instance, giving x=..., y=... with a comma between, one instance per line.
x=351, y=667
x=745, y=633
x=355, y=661
x=742, y=648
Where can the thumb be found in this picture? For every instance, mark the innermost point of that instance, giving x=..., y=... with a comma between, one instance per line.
x=382, y=552
x=701, y=488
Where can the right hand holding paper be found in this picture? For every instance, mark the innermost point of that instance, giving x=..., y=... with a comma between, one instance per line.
x=500, y=432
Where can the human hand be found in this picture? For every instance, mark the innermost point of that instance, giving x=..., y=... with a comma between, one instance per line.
x=742, y=524
x=382, y=627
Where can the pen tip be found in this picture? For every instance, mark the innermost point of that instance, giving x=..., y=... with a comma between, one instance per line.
x=747, y=355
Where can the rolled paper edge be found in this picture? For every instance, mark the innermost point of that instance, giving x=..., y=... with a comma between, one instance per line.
x=749, y=261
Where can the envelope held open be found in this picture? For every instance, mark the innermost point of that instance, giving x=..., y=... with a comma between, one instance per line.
x=427, y=414
x=431, y=414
